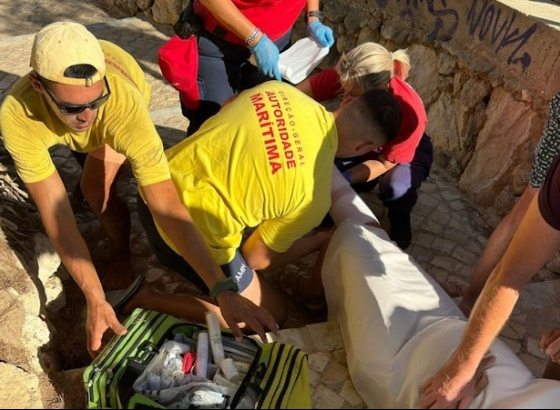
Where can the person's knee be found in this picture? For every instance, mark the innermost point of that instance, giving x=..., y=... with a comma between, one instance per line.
x=396, y=183
x=96, y=195
x=401, y=204
x=264, y=294
x=256, y=288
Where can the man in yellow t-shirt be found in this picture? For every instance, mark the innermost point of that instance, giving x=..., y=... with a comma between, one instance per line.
x=91, y=96
x=265, y=161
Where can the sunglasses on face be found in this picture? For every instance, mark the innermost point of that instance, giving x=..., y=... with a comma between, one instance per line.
x=73, y=109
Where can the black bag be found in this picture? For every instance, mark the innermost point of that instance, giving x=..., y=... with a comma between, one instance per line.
x=189, y=23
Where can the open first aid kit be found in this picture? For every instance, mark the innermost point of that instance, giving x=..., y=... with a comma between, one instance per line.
x=165, y=362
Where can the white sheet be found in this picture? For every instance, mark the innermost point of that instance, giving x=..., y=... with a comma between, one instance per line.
x=399, y=327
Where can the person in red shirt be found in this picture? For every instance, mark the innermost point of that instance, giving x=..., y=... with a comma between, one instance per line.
x=397, y=168
x=230, y=31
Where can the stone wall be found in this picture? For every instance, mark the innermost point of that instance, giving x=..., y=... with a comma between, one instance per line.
x=484, y=70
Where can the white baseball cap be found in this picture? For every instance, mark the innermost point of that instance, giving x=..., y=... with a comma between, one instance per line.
x=60, y=45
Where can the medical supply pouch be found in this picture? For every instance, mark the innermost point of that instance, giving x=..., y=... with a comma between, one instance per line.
x=158, y=364
x=178, y=57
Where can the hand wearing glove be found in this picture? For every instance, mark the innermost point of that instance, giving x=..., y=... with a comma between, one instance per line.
x=323, y=34
x=267, y=56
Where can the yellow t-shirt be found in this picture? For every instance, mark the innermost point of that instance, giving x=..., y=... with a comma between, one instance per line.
x=29, y=127
x=265, y=159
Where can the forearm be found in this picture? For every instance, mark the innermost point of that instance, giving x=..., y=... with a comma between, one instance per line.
x=192, y=246
x=260, y=256
x=487, y=319
x=75, y=256
x=531, y=246
x=61, y=228
x=175, y=220
x=300, y=248
x=369, y=170
x=312, y=5
x=231, y=18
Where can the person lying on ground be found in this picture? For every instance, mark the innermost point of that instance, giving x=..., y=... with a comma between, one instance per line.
x=398, y=325
x=535, y=241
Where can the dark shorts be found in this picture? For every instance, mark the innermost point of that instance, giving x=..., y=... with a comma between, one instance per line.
x=223, y=71
x=237, y=268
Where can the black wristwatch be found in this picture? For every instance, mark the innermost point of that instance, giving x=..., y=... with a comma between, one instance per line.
x=226, y=284
x=314, y=13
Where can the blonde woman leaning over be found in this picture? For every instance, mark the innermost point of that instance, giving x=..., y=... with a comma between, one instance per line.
x=397, y=168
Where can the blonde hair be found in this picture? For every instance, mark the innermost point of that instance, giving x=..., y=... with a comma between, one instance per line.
x=370, y=66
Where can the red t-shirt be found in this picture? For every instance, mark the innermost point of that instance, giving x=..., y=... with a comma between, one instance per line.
x=273, y=17
x=325, y=85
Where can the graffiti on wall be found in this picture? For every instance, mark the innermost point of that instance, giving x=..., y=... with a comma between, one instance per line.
x=485, y=21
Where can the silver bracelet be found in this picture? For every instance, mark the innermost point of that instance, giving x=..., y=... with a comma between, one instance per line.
x=252, y=36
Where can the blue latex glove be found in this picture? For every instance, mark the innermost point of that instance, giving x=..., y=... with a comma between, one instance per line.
x=323, y=34
x=267, y=56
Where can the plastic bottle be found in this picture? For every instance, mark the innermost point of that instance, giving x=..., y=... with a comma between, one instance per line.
x=215, y=336
x=201, y=362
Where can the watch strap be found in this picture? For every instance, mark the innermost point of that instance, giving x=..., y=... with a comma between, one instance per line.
x=226, y=284
x=314, y=13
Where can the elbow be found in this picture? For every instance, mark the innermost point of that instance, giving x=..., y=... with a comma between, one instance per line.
x=255, y=262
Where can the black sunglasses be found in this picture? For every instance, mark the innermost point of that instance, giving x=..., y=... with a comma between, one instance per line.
x=73, y=109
